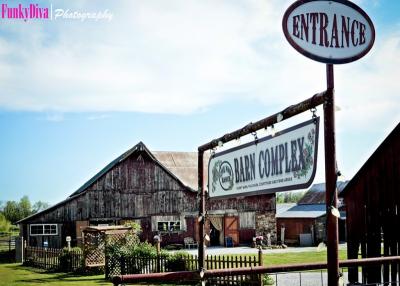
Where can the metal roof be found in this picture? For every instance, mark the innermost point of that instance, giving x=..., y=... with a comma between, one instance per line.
x=306, y=211
x=183, y=165
x=316, y=194
x=281, y=208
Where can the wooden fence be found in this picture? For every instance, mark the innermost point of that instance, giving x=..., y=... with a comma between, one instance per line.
x=7, y=243
x=141, y=265
x=53, y=259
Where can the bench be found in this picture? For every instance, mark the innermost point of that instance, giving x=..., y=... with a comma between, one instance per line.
x=189, y=242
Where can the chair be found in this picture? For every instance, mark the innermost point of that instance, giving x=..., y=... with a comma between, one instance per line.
x=189, y=242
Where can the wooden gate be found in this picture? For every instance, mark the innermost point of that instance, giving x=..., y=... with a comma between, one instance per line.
x=231, y=229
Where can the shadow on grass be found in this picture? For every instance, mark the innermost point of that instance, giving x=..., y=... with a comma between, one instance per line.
x=7, y=256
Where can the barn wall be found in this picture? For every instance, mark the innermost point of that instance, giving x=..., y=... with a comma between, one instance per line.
x=131, y=189
x=138, y=188
x=372, y=200
x=293, y=228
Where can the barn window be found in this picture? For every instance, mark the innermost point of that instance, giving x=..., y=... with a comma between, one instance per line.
x=247, y=220
x=168, y=226
x=43, y=229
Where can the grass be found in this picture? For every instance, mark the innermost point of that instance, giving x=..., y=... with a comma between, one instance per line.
x=299, y=257
x=15, y=274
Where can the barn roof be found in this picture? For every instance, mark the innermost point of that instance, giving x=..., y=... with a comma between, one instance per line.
x=183, y=165
x=306, y=211
x=390, y=139
x=281, y=208
x=180, y=165
x=316, y=194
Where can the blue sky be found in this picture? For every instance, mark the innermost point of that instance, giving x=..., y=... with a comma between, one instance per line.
x=174, y=74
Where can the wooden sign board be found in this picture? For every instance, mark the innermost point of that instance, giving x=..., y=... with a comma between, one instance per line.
x=285, y=161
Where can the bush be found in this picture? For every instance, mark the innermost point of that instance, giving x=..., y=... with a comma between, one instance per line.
x=66, y=259
x=268, y=280
x=177, y=262
x=5, y=225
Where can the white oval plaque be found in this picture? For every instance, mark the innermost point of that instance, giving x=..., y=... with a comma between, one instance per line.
x=329, y=31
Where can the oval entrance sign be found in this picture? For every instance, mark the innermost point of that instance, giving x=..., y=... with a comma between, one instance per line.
x=329, y=31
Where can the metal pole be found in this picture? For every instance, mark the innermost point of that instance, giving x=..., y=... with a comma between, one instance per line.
x=202, y=210
x=330, y=180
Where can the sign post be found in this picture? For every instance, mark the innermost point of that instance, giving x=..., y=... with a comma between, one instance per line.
x=331, y=32
x=332, y=231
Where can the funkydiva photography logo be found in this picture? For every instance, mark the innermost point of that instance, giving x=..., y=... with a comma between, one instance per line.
x=35, y=11
x=32, y=11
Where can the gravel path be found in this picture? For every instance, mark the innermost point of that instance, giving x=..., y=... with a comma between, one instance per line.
x=248, y=250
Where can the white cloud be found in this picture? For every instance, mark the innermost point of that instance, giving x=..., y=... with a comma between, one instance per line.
x=181, y=57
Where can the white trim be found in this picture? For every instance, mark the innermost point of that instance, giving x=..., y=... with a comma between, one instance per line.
x=43, y=224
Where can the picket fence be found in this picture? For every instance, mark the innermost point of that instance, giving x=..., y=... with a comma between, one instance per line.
x=141, y=265
x=53, y=259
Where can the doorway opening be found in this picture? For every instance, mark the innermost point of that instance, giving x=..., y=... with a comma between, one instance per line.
x=214, y=235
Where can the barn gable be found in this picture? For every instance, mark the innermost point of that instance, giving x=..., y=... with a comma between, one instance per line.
x=124, y=188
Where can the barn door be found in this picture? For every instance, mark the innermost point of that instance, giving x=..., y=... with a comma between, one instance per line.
x=231, y=229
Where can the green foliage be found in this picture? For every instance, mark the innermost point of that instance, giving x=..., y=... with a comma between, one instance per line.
x=15, y=211
x=5, y=225
x=24, y=207
x=136, y=228
x=67, y=256
x=268, y=280
x=11, y=211
x=39, y=206
x=289, y=197
x=122, y=246
x=177, y=262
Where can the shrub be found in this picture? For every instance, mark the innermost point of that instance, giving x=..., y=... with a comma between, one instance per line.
x=177, y=262
x=5, y=225
x=66, y=259
x=268, y=280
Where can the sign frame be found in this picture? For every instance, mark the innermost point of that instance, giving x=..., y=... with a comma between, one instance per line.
x=312, y=56
x=315, y=121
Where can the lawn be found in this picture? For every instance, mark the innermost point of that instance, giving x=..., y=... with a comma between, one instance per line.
x=15, y=274
x=299, y=257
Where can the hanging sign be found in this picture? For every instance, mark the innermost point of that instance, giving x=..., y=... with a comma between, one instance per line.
x=283, y=162
x=329, y=31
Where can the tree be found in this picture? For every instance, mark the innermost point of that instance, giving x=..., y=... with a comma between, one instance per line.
x=24, y=207
x=39, y=206
x=289, y=197
x=4, y=224
x=11, y=211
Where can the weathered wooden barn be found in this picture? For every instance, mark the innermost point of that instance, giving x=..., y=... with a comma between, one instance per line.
x=305, y=222
x=372, y=200
x=157, y=190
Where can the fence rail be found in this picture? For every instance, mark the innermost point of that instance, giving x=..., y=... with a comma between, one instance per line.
x=293, y=274
x=116, y=266
x=7, y=244
x=53, y=259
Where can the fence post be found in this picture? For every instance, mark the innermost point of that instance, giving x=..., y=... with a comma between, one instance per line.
x=158, y=266
x=122, y=265
x=260, y=262
x=106, y=269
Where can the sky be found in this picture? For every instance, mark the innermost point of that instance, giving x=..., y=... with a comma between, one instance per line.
x=75, y=94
